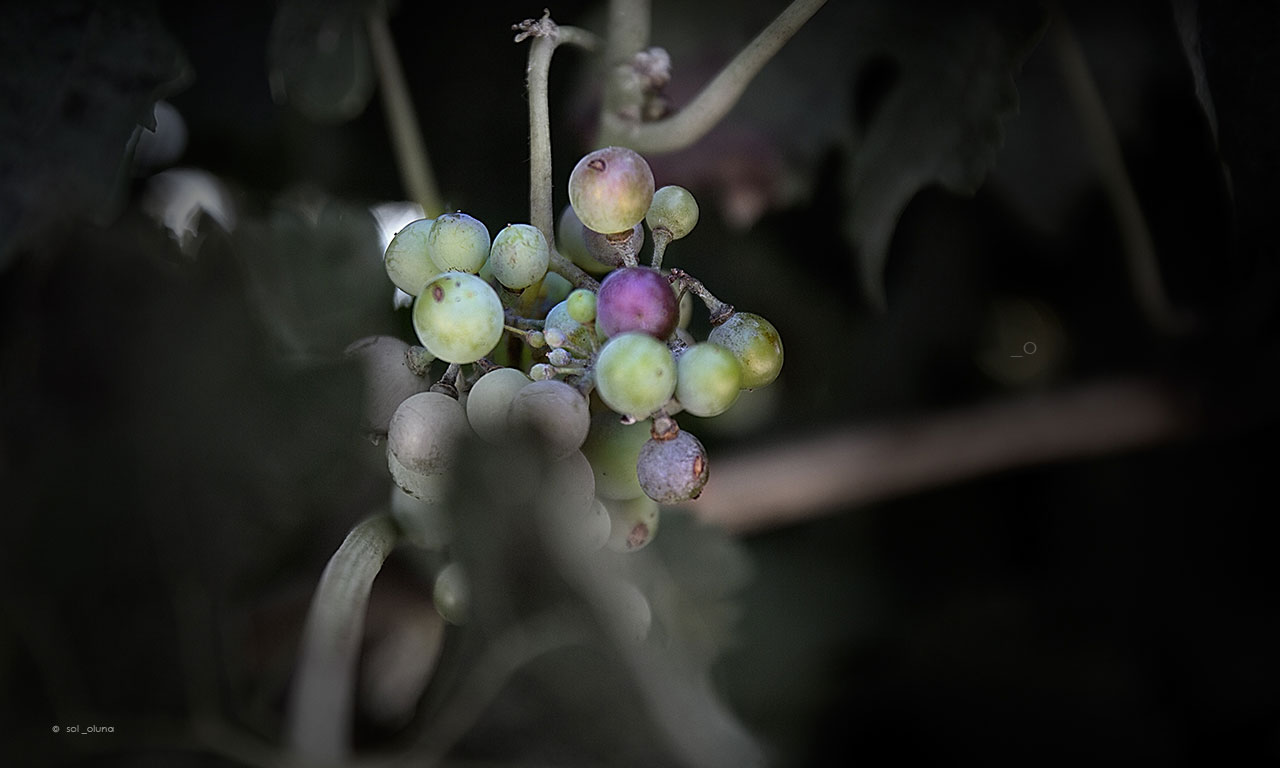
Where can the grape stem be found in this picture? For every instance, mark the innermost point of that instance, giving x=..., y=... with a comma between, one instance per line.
x=661, y=239
x=517, y=323
x=710, y=105
x=448, y=383
x=320, y=703
x=419, y=360
x=719, y=310
x=402, y=121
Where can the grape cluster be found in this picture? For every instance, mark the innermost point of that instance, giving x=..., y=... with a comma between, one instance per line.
x=598, y=371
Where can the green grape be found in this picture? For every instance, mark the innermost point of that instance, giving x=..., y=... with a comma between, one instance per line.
x=626, y=607
x=559, y=357
x=569, y=239
x=459, y=241
x=452, y=594
x=542, y=372
x=756, y=344
x=708, y=379
x=673, y=209
x=408, y=261
x=425, y=431
x=576, y=335
x=555, y=289
x=519, y=256
x=596, y=527
x=610, y=189
x=388, y=379
x=582, y=306
x=635, y=374
x=674, y=469
x=632, y=523
x=424, y=523
x=458, y=317
x=613, y=448
x=429, y=488
x=686, y=307
x=489, y=401
x=572, y=520
x=556, y=411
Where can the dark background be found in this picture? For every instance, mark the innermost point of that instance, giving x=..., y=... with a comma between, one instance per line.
x=175, y=471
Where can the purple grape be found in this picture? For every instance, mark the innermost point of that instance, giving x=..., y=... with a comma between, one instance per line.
x=636, y=299
x=672, y=470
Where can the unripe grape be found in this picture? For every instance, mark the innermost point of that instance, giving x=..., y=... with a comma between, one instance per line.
x=708, y=379
x=566, y=496
x=459, y=241
x=429, y=488
x=388, y=379
x=452, y=594
x=613, y=448
x=555, y=289
x=635, y=374
x=627, y=609
x=673, y=209
x=458, y=317
x=610, y=189
x=612, y=249
x=673, y=470
x=519, y=256
x=556, y=411
x=542, y=372
x=636, y=299
x=686, y=307
x=581, y=305
x=424, y=522
x=756, y=344
x=425, y=430
x=559, y=357
x=408, y=261
x=597, y=526
x=633, y=523
x=565, y=331
x=489, y=402
x=570, y=242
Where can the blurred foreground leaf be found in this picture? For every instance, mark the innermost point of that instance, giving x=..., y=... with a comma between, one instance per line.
x=315, y=274
x=549, y=655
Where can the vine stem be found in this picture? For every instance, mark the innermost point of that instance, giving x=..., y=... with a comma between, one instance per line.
x=1139, y=248
x=320, y=703
x=716, y=99
x=785, y=485
x=547, y=35
x=402, y=121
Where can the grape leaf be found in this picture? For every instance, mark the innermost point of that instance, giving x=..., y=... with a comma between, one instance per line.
x=319, y=58
x=80, y=81
x=931, y=101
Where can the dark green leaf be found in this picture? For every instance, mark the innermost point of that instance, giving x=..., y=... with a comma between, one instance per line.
x=79, y=83
x=938, y=118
